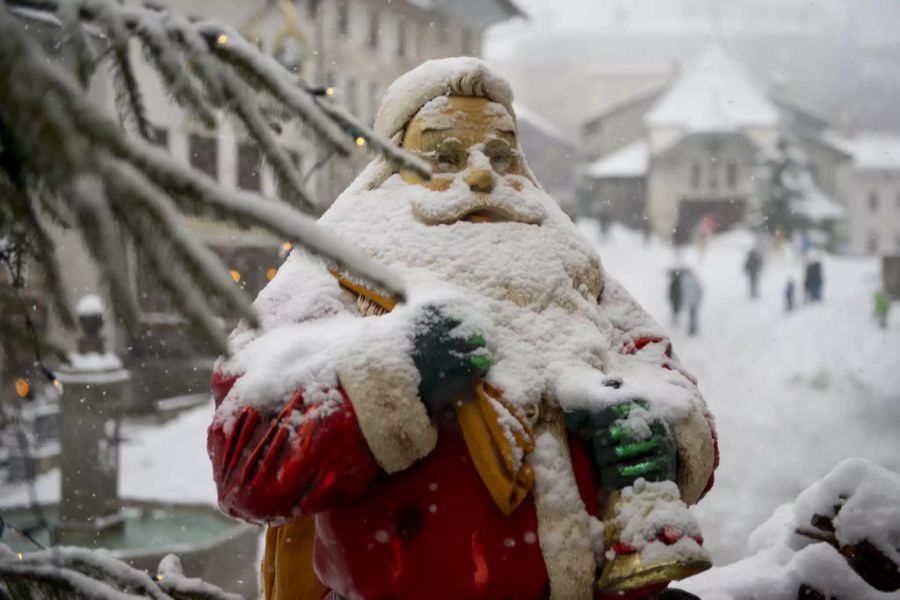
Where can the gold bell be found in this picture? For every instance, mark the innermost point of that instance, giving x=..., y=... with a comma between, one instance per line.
x=626, y=572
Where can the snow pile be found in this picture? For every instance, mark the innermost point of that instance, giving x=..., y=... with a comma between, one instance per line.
x=89, y=304
x=647, y=512
x=92, y=362
x=865, y=498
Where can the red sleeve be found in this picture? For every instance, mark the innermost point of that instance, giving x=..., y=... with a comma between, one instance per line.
x=302, y=460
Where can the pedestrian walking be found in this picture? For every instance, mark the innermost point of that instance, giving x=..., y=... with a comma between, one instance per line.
x=692, y=296
x=882, y=308
x=789, y=296
x=752, y=267
x=675, y=294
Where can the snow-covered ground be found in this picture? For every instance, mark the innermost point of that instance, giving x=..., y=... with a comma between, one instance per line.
x=793, y=394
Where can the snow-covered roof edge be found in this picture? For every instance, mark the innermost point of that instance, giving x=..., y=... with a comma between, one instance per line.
x=631, y=161
x=523, y=113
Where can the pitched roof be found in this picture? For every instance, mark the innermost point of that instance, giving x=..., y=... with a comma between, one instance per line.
x=713, y=94
x=630, y=161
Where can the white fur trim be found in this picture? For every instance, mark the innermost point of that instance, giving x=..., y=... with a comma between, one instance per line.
x=384, y=392
x=696, y=455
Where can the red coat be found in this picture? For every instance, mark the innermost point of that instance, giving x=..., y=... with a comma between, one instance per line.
x=431, y=530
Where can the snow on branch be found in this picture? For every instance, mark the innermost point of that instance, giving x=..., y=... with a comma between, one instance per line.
x=71, y=572
x=64, y=161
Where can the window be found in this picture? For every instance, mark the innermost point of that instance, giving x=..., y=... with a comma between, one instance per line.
x=343, y=18
x=203, y=154
x=248, y=167
x=374, y=29
x=401, y=38
x=732, y=174
x=713, y=173
x=312, y=8
x=695, y=174
x=873, y=201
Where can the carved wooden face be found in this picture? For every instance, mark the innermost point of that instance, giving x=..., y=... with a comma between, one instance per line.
x=467, y=138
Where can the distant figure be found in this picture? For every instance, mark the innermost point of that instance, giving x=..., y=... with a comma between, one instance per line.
x=882, y=308
x=692, y=296
x=706, y=229
x=813, y=281
x=789, y=296
x=752, y=267
x=675, y=294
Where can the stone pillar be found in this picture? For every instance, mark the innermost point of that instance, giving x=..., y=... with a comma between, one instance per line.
x=91, y=405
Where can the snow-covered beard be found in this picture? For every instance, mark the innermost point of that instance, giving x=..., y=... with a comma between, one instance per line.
x=535, y=280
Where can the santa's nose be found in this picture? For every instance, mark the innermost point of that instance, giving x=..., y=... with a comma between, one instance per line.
x=480, y=180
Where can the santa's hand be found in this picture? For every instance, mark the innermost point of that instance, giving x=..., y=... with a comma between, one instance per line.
x=628, y=442
x=447, y=360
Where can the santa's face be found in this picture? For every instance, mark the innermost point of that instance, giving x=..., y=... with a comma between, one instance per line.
x=471, y=143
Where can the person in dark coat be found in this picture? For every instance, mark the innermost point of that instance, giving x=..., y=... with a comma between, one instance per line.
x=813, y=281
x=752, y=267
x=789, y=296
x=675, y=295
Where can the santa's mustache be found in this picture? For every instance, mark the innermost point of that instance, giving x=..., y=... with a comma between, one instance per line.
x=504, y=203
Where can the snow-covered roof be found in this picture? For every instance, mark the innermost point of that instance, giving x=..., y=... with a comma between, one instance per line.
x=526, y=115
x=713, y=94
x=818, y=207
x=875, y=150
x=630, y=161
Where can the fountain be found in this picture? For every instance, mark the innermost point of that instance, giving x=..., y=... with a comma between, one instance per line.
x=91, y=512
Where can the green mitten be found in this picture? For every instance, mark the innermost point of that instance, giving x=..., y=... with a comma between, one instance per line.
x=447, y=362
x=627, y=443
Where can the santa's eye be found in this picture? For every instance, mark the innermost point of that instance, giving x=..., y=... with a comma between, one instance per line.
x=500, y=154
x=449, y=157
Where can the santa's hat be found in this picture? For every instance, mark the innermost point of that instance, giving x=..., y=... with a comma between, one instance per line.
x=460, y=76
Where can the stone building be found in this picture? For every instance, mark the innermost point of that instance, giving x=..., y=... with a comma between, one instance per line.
x=690, y=149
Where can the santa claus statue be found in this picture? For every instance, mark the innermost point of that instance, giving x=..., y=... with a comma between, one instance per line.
x=518, y=429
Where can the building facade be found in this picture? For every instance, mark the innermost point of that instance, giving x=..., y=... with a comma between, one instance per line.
x=691, y=149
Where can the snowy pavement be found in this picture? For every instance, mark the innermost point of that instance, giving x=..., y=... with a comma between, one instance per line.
x=792, y=394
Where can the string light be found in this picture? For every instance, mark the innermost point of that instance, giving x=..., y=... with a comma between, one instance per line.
x=235, y=275
x=22, y=387
x=287, y=246
x=329, y=91
x=360, y=141
x=222, y=39
x=270, y=273
x=20, y=555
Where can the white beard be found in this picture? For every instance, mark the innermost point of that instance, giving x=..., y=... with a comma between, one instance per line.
x=535, y=286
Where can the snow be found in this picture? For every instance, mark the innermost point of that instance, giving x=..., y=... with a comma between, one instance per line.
x=630, y=161
x=92, y=362
x=782, y=559
x=713, y=94
x=89, y=304
x=875, y=150
x=793, y=396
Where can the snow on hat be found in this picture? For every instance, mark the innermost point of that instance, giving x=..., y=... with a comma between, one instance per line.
x=461, y=76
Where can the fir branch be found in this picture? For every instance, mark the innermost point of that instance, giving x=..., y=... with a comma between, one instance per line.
x=288, y=179
x=96, y=221
x=75, y=41
x=276, y=80
x=128, y=93
x=166, y=270
x=132, y=188
x=177, y=82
